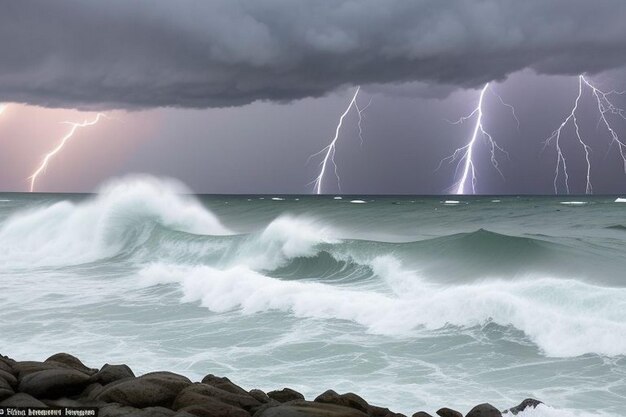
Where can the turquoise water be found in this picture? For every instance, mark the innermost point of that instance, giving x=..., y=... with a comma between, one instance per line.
x=412, y=302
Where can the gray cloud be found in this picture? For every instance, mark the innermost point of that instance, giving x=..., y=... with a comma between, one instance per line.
x=216, y=53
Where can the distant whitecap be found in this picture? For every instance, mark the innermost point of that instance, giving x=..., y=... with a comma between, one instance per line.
x=357, y=201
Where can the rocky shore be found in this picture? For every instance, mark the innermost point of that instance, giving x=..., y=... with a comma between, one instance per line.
x=63, y=381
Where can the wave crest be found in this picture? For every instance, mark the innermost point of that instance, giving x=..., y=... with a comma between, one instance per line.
x=120, y=217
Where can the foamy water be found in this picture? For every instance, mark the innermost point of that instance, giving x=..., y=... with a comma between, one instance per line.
x=411, y=305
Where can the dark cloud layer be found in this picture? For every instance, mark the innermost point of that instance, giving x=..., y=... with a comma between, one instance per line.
x=214, y=53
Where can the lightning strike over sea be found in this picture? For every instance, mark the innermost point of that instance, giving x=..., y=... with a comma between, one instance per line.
x=605, y=106
x=330, y=149
x=46, y=160
x=465, y=154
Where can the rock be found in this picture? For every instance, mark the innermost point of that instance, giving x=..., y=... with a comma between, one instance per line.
x=347, y=400
x=223, y=384
x=284, y=395
x=214, y=409
x=149, y=390
x=117, y=410
x=92, y=390
x=9, y=378
x=484, y=410
x=378, y=411
x=71, y=362
x=260, y=396
x=54, y=383
x=301, y=408
x=198, y=394
x=448, y=412
x=112, y=373
x=22, y=400
x=421, y=414
x=24, y=368
x=528, y=402
x=6, y=367
x=6, y=390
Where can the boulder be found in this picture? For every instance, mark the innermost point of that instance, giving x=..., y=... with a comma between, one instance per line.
x=54, y=383
x=260, y=396
x=117, y=410
x=112, y=373
x=6, y=367
x=9, y=378
x=347, y=400
x=375, y=411
x=421, y=414
x=448, y=412
x=198, y=394
x=528, y=402
x=223, y=384
x=301, y=408
x=214, y=408
x=23, y=368
x=149, y=390
x=92, y=390
x=22, y=400
x=484, y=410
x=71, y=362
x=6, y=390
x=284, y=395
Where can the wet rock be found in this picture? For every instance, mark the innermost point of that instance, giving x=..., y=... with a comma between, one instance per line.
x=484, y=410
x=224, y=384
x=284, y=395
x=448, y=412
x=214, y=409
x=112, y=373
x=22, y=400
x=9, y=378
x=301, y=408
x=6, y=390
x=117, y=410
x=347, y=400
x=54, y=383
x=71, y=362
x=149, y=390
x=198, y=394
x=528, y=402
x=421, y=414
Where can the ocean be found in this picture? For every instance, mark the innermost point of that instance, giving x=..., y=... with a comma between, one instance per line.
x=412, y=302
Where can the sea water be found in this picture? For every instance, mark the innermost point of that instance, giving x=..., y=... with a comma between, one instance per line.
x=412, y=302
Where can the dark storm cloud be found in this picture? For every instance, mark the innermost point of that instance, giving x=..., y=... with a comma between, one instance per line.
x=193, y=53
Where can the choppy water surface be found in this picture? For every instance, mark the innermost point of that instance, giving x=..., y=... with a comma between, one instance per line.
x=411, y=302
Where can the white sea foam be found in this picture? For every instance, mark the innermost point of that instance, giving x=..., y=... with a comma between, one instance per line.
x=451, y=202
x=337, y=198
x=574, y=203
x=620, y=200
x=563, y=317
x=66, y=233
x=278, y=199
x=357, y=202
x=546, y=411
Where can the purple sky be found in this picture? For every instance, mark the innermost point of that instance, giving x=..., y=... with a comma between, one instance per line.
x=234, y=99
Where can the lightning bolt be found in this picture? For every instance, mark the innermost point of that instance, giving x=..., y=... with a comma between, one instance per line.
x=465, y=154
x=330, y=149
x=605, y=106
x=46, y=160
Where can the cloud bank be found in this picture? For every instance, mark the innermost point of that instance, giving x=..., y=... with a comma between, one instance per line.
x=216, y=53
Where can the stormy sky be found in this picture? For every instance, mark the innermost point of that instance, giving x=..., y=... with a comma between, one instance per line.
x=233, y=96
